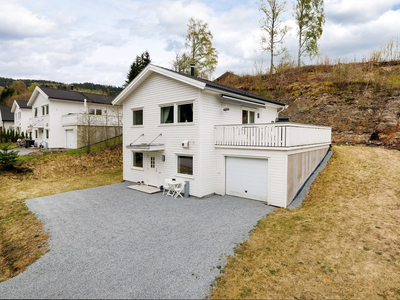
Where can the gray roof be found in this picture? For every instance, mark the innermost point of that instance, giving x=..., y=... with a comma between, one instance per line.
x=77, y=96
x=6, y=114
x=228, y=89
x=23, y=104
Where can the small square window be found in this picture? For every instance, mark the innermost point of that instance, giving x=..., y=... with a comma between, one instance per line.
x=185, y=165
x=167, y=114
x=138, y=159
x=185, y=113
x=98, y=112
x=137, y=117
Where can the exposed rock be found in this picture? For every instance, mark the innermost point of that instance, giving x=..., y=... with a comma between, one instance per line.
x=362, y=119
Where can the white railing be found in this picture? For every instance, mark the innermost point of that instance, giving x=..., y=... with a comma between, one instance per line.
x=272, y=135
x=86, y=119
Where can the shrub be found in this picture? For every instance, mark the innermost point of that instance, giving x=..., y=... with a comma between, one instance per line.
x=8, y=157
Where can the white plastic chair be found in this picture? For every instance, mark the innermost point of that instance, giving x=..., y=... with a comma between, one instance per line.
x=168, y=189
x=179, y=188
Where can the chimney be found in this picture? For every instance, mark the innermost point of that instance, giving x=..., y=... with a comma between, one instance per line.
x=72, y=87
x=192, y=69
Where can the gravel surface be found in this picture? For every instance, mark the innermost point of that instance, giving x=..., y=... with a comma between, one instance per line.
x=113, y=242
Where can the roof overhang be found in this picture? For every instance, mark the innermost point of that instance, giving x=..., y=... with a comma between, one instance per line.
x=14, y=106
x=147, y=147
x=150, y=69
x=35, y=93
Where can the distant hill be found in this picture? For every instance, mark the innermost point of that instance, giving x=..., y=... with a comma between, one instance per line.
x=21, y=89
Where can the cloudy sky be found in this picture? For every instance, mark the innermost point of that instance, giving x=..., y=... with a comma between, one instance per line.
x=97, y=40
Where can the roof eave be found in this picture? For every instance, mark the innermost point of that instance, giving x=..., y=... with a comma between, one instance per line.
x=35, y=93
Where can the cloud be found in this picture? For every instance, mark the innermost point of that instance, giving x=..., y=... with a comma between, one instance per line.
x=18, y=22
x=356, y=11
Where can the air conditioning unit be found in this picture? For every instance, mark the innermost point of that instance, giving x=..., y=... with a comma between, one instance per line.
x=185, y=144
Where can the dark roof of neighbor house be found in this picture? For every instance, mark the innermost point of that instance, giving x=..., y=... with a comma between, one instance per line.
x=225, y=88
x=77, y=96
x=23, y=104
x=6, y=114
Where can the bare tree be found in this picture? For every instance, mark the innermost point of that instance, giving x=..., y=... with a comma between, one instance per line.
x=274, y=26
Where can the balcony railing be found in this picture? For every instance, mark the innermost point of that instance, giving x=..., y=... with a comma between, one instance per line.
x=272, y=135
x=74, y=119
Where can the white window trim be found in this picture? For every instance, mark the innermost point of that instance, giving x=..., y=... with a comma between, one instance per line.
x=175, y=105
x=132, y=159
x=176, y=166
x=135, y=109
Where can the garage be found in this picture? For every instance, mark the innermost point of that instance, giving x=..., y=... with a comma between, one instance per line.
x=247, y=178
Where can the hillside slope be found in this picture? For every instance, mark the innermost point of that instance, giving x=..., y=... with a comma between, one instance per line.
x=360, y=101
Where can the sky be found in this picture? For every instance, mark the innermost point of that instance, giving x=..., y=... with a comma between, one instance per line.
x=97, y=40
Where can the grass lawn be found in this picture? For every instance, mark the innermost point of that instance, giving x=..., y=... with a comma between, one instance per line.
x=342, y=243
x=22, y=239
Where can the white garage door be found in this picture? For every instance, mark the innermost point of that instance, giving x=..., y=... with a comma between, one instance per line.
x=247, y=178
x=69, y=139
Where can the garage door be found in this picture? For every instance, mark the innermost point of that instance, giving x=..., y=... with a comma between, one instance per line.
x=69, y=139
x=247, y=178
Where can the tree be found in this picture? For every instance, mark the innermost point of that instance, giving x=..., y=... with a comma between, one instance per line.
x=198, y=43
x=273, y=25
x=309, y=17
x=137, y=66
x=8, y=157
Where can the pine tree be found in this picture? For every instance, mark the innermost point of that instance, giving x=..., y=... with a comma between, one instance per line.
x=137, y=66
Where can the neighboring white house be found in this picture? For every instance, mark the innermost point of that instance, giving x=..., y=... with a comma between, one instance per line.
x=6, y=118
x=22, y=113
x=221, y=139
x=60, y=118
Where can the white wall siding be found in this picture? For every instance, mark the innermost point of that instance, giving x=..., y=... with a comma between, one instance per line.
x=156, y=90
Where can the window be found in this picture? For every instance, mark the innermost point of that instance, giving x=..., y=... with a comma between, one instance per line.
x=185, y=165
x=35, y=112
x=95, y=111
x=138, y=117
x=152, y=162
x=36, y=134
x=138, y=159
x=167, y=114
x=248, y=117
x=47, y=133
x=185, y=113
x=45, y=110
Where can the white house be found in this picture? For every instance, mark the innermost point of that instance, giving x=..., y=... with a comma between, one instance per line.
x=22, y=113
x=60, y=118
x=6, y=118
x=221, y=139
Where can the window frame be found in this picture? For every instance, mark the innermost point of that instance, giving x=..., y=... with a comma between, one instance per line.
x=177, y=165
x=47, y=134
x=136, y=109
x=175, y=111
x=179, y=115
x=36, y=112
x=249, y=112
x=133, y=167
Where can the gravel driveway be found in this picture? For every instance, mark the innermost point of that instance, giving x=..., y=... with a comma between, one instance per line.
x=113, y=242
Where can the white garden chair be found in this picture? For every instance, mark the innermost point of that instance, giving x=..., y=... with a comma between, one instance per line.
x=179, y=188
x=168, y=188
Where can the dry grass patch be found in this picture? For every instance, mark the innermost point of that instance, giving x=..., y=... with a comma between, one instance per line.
x=342, y=243
x=22, y=239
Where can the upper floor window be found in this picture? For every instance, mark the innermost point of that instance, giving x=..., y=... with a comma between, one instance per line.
x=45, y=110
x=185, y=113
x=137, y=117
x=95, y=111
x=248, y=116
x=177, y=113
x=167, y=114
x=36, y=111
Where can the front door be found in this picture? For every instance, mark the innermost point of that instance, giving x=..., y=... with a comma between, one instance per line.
x=152, y=169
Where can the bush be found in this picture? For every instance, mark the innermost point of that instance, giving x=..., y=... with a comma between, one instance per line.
x=8, y=157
